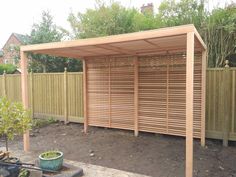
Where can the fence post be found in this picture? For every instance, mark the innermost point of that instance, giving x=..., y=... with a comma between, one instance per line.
x=66, y=96
x=4, y=84
x=226, y=104
x=32, y=93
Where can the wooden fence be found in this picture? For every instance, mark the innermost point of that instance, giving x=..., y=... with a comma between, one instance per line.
x=220, y=104
x=60, y=95
x=56, y=95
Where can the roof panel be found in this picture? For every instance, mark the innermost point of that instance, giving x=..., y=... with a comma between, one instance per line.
x=139, y=43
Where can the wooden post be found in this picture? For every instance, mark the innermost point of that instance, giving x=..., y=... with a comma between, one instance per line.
x=65, y=96
x=85, y=96
x=233, y=100
x=203, y=100
x=4, y=84
x=136, y=96
x=189, y=104
x=32, y=93
x=24, y=90
x=226, y=105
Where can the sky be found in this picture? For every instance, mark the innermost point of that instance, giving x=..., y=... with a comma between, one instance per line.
x=18, y=16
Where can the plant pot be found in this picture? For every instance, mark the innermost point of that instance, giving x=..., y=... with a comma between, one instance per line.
x=51, y=160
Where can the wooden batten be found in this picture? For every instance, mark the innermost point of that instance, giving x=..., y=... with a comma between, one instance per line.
x=136, y=105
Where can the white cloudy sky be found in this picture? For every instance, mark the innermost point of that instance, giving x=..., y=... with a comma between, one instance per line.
x=19, y=15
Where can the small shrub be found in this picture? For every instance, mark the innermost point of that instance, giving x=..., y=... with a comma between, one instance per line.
x=9, y=68
x=14, y=119
x=38, y=123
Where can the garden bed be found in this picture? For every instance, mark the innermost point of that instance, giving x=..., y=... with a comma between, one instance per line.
x=149, y=154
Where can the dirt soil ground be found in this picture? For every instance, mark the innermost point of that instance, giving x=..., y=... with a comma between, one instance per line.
x=149, y=154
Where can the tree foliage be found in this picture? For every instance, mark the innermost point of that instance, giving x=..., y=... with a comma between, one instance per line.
x=220, y=35
x=8, y=68
x=109, y=20
x=44, y=32
x=217, y=27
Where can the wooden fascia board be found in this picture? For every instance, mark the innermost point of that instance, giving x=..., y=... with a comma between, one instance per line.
x=199, y=38
x=171, y=31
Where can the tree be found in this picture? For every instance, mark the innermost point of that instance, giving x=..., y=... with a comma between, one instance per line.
x=109, y=20
x=44, y=32
x=219, y=34
x=217, y=27
x=172, y=13
x=14, y=119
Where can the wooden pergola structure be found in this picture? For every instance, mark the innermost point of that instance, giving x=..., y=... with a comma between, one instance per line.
x=152, y=81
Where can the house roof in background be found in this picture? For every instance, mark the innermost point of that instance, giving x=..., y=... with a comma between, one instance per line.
x=24, y=39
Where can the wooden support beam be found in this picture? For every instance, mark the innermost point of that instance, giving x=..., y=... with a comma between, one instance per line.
x=189, y=104
x=85, y=96
x=24, y=90
x=203, y=99
x=116, y=49
x=136, y=96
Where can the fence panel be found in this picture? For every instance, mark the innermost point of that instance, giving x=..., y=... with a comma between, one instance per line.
x=220, y=103
x=75, y=97
x=46, y=92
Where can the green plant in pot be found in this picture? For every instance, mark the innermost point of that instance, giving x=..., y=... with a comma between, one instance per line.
x=51, y=160
x=14, y=119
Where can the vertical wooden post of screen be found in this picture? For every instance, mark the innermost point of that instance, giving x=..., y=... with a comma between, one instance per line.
x=136, y=96
x=203, y=99
x=24, y=90
x=189, y=104
x=85, y=96
x=109, y=90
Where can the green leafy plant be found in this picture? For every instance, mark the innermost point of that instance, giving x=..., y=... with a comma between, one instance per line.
x=9, y=68
x=50, y=154
x=38, y=123
x=14, y=119
x=24, y=173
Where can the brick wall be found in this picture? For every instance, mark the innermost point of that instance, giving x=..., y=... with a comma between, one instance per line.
x=9, y=52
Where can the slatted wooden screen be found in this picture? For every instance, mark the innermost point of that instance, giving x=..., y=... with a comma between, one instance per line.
x=161, y=98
